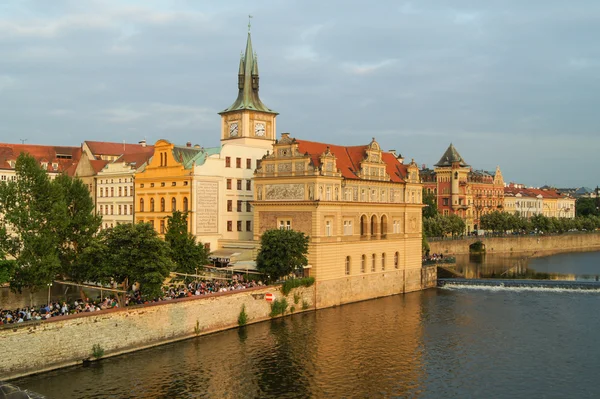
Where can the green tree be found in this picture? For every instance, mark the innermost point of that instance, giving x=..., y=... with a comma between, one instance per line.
x=186, y=253
x=430, y=208
x=281, y=253
x=77, y=225
x=127, y=254
x=29, y=226
x=586, y=207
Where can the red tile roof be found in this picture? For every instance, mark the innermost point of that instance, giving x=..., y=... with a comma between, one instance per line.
x=136, y=159
x=65, y=157
x=348, y=159
x=106, y=148
x=533, y=192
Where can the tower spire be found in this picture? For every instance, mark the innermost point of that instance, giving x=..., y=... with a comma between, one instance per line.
x=248, y=80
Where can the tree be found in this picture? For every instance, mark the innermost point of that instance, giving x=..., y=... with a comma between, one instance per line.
x=186, y=253
x=78, y=225
x=586, y=207
x=130, y=253
x=430, y=209
x=28, y=231
x=281, y=253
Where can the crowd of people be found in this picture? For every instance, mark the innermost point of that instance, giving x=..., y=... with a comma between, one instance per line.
x=170, y=292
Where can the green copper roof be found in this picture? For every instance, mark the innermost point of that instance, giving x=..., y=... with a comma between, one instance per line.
x=248, y=84
x=451, y=156
x=201, y=157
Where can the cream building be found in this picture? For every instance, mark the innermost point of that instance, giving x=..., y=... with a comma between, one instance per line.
x=360, y=207
x=115, y=188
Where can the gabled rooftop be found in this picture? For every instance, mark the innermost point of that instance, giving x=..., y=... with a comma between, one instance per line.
x=451, y=156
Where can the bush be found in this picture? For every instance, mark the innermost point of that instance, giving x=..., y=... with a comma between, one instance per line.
x=97, y=351
x=243, y=317
x=305, y=305
x=278, y=307
x=290, y=284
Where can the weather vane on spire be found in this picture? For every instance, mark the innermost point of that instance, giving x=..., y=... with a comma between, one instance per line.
x=249, y=18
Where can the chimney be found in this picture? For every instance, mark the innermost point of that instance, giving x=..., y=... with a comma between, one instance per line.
x=393, y=152
x=142, y=143
x=188, y=144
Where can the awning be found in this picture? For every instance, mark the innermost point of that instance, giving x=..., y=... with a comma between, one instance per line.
x=223, y=254
x=242, y=265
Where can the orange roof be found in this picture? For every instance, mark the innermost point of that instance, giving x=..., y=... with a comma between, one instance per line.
x=97, y=165
x=533, y=192
x=106, y=148
x=348, y=159
x=136, y=159
x=63, y=156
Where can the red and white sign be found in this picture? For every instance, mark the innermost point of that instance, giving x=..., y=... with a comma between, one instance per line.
x=269, y=297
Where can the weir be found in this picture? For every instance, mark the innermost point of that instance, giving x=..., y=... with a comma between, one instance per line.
x=561, y=284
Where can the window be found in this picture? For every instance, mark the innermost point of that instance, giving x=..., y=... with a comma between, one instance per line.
x=151, y=204
x=373, y=257
x=258, y=162
x=248, y=185
x=239, y=206
x=248, y=207
x=347, y=227
x=248, y=163
x=228, y=184
x=120, y=192
x=162, y=204
x=396, y=256
x=248, y=225
x=285, y=225
x=383, y=262
x=162, y=226
x=131, y=209
x=328, y=193
x=162, y=184
x=173, y=204
x=228, y=164
x=174, y=183
x=328, y=228
x=185, y=183
x=238, y=163
x=229, y=225
x=445, y=201
x=363, y=264
x=229, y=205
x=112, y=191
x=112, y=210
x=239, y=225
x=185, y=204
x=119, y=209
x=151, y=184
x=239, y=184
x=101, y=190
x=347, y=265
x=142, y=185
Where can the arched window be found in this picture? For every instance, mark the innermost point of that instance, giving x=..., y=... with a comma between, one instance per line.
x=363, y=264
x=101, y=192
x=373, y=263
x=162, y=204
x=383, y=262
x=396, y=256
x=185, y=204
x=173, y=204
x=151, y=204
x=383, y=226
x=373, y=225
x=347, y=265
x=363, y=225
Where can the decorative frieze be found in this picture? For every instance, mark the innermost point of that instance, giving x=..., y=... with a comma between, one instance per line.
x=294, y=192
x=207, y=194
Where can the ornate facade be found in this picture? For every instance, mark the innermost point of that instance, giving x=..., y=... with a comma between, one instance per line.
x=462, y=191
x=360, y=207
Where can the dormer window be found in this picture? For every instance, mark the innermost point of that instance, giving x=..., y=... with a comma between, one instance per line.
x=44, y=165
x=11, y=163
x=54, y=165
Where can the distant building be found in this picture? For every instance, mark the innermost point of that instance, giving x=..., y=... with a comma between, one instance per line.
x=53, y=159
x=534, y=201
x=462, y=191
x=361, y=208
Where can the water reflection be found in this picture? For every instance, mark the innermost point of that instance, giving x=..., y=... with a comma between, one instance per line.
x=581, y=266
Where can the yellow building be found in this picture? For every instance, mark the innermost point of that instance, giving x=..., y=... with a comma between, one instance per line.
x=165, y=185
x=361, y=208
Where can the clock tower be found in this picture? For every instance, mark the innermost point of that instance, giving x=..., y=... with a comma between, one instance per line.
x=248, y=120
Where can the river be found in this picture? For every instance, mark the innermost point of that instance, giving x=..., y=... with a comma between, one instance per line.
x=461, y=342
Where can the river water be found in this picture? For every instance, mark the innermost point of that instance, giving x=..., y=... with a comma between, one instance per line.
x=462, y=342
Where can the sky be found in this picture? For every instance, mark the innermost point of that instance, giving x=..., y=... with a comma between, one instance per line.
x=511, y=83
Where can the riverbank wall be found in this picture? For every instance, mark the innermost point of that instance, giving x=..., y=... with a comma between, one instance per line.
x=546, y=244
x=35, y=347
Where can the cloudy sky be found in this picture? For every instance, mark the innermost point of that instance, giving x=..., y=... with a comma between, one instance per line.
x=512, y=83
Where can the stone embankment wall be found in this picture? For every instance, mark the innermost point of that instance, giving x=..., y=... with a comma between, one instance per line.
x=62, y=341
x=544, y=244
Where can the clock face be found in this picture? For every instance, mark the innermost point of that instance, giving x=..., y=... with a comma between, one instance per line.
x=233, y=129
x=259, y=129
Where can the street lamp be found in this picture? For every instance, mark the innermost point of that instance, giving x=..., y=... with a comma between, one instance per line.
x=49, y=286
